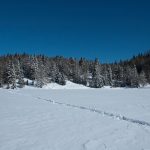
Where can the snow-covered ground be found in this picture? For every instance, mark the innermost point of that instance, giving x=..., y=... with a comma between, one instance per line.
x=69, y=85
x=89, y=119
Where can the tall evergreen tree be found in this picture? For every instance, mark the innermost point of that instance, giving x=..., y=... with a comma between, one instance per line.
x=134, y=77
x=39, y=73
x=11, y=75
x=1, y=76
x=97, y=79
x=142, y=79
x=20, y=75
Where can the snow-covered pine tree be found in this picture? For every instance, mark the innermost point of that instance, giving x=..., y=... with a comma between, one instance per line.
x=121, y=75
x=76, y=74
x=39, y=73
x=142, y=79
x=27, y=66
x=1, y=75
x=82, y=71
x=105, y=74
x=1, y=79
x=116, y=75
x=127, y=78
x=20, y=75
x=60, y=79
x=53, y=71
x=97, y=79
x=110, y=81
x=11, y=75
x=134, y=77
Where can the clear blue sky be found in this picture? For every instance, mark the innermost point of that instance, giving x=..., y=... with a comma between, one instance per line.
x=107, y=29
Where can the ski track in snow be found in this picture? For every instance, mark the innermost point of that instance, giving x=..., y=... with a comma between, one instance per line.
x=103, y=113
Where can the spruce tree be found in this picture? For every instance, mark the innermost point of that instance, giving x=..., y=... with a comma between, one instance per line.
x=20, y=75
x=97, y=79
x=134, y=77
x=142, y=79
x=11, y=75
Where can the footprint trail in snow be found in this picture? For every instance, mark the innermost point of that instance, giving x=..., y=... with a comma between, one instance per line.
x=108, y=114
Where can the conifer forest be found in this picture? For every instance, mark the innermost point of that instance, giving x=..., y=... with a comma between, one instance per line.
x=42, y=70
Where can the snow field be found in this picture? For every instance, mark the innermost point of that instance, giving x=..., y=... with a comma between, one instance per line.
x=45, y=119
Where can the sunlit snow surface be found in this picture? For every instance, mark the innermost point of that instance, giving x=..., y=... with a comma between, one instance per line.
x=89, y=119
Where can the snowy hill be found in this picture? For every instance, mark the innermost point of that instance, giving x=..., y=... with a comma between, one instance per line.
x=69, y=85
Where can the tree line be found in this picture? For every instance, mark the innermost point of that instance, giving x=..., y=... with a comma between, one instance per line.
x=43, y=70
